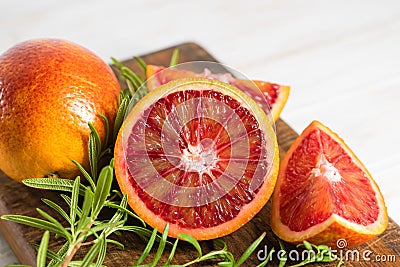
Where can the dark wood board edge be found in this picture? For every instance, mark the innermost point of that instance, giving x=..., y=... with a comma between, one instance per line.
x=13, y=234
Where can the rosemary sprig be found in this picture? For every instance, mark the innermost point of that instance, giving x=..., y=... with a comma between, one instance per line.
x=141, y=63
x=222, y=257
x=42, y=251
x=83, y=221
x=174, y=58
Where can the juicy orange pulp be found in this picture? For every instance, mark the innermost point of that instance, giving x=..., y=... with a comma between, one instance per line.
x=324, y=193
x=189, y=143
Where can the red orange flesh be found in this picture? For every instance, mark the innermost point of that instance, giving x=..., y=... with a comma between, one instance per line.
x=192, y=164
x=324, y=193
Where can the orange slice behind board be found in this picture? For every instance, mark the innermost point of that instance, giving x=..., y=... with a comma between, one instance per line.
x=274, y=94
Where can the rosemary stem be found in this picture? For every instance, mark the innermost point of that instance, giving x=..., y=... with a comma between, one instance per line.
x=71, y=254
x=74, y=248
x=88, y=243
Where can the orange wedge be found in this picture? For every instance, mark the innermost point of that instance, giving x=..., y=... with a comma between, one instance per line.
x=324, y=194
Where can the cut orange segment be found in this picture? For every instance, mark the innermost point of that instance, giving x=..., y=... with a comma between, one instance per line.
x=275, y=95
x=324, y=194
x=198, y=154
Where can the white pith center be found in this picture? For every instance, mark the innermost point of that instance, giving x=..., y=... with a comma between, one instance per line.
x=326, y=169
x=201, y=157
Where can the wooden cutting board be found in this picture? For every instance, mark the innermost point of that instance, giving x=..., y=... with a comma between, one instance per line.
x=18, y=199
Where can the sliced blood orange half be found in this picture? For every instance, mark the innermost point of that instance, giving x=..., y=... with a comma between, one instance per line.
x=198, y=154
x=274, y=94
x=324, y=194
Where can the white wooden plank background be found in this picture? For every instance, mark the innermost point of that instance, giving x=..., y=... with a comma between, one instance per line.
x=342, y=58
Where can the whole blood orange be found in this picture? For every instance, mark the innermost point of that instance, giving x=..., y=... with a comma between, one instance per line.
x=324, y=194
x=198, y=154
x=49, y=91
x=274, y=94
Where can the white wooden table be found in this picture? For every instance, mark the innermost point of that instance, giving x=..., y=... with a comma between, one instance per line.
x=342, y=58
